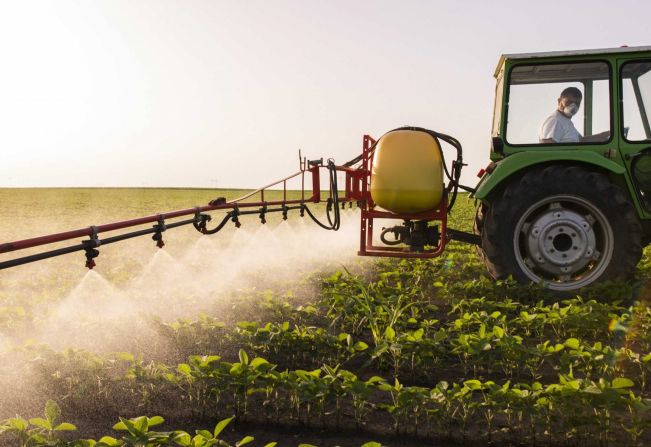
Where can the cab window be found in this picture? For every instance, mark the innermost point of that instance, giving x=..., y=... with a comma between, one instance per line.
x=636, y=100
x=550, y=104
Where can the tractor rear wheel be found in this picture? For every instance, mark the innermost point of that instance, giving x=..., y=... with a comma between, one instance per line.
x=564, y=227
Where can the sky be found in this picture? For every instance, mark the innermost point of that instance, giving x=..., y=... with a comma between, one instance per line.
x=197, y=93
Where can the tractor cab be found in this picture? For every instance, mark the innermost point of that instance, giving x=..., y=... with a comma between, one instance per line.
x=610, y=128
x=566, y=200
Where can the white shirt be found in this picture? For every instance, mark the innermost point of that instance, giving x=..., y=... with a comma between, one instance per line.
x=559, y=128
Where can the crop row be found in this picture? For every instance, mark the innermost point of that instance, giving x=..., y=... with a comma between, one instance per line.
x=137, y=432
x=396, y=298
x=476, y=343
x=251, y=389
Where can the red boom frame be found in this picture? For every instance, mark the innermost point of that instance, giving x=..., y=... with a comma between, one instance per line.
x=357, y=188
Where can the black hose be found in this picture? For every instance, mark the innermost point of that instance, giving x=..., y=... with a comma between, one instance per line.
x=334, y=221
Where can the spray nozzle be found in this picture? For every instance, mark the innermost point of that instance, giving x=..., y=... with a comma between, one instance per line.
x=285, y=209
x=302, y=210
x=159, y=240
x=262, y=216
x=200, y=221
x=90, y=247
x=158, y=235
x=234, y=217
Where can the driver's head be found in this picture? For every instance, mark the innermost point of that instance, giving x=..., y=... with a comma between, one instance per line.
x=570, y=101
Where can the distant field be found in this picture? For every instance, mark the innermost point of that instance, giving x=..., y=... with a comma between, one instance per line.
x=27, y=212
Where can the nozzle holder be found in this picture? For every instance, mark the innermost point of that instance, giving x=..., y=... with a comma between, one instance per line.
x=235, y=216
x=263, y=212
x=285, y=210
x=158, y=235
x=90, y=248
x=201, y=221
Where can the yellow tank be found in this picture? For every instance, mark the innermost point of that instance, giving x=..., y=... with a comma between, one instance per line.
x=407, y=172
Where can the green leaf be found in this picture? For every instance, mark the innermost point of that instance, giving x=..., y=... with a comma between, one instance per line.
x=390, y=333
x=258, y=361
x=271, y=444
x=592, y=389
x=182, y=438
x=307, y=445
x=127, y=425
x=65, y=427
x=244, y=441
x=244, y=359
x=360, y=346
x=184, y=369
x=141, y=424
x=498, y=331
x=52, y=411
x=622, y=382
x=473, y=384
x=40, y=422
x=372, y=444
x=221, y=425
x=110, y=441
x=572, y=343
x=204, y=433
x=155, y=420
x=120, y=426
x=18, y=423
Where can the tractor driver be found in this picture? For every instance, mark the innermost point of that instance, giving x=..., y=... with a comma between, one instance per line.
x=558, y=127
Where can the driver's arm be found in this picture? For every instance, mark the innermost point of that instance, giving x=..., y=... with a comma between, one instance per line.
x=602, y=136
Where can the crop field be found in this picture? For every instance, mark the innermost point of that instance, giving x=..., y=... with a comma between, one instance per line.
x=279, y=333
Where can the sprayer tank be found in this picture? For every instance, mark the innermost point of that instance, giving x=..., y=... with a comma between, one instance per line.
x=407, y=172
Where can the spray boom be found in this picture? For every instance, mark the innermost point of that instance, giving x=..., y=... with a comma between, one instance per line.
x=421, y=240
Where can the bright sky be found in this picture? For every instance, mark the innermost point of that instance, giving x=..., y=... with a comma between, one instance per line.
x=224, y=93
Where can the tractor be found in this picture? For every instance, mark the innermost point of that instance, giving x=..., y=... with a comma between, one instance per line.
x=564, y=202
x=568, y=213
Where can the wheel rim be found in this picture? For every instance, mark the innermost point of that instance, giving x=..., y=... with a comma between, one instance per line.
x=564, y=242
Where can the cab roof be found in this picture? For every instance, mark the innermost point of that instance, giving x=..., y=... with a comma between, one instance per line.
x=546, y=54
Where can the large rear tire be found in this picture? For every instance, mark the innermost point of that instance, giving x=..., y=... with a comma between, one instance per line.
x=563, y=227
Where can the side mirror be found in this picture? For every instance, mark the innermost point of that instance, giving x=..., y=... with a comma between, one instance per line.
x=497, y=145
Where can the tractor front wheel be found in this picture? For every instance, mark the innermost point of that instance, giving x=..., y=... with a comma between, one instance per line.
x=564, y=227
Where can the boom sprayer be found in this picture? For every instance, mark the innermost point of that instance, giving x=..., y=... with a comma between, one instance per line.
x=562, y=209
x=398, y=176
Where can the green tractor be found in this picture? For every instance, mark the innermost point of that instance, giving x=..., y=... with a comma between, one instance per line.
x=566, y=199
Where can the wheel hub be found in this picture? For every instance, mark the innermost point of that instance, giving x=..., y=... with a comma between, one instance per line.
x=560, y=241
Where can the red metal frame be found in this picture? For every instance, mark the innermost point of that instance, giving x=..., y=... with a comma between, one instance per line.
x=370, y=213
x=357, y=184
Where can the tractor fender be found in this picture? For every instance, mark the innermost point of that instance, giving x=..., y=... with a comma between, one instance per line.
x=521, y=161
